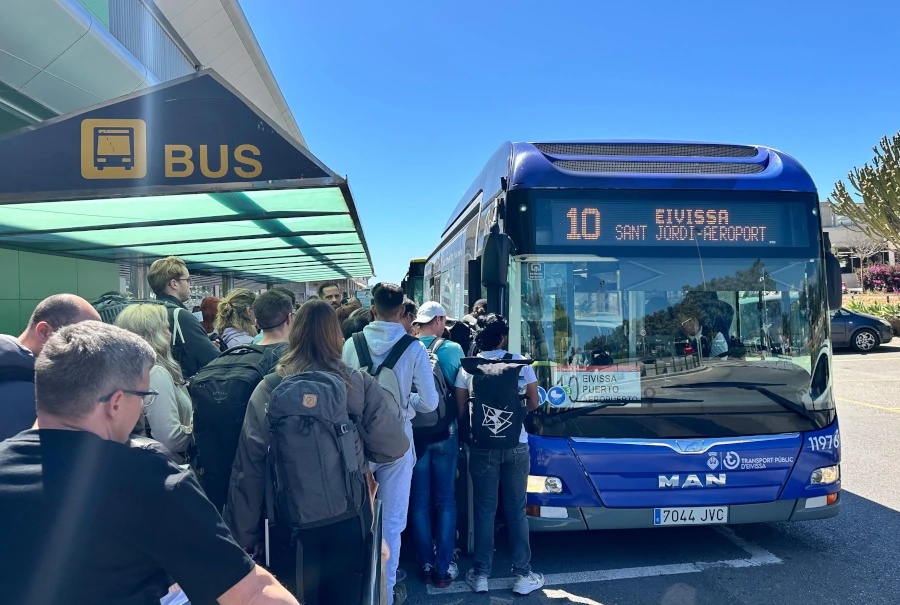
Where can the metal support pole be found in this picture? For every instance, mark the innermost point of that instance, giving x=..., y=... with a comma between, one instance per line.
x=132, y=278
x=138, y=278
x=227, y=284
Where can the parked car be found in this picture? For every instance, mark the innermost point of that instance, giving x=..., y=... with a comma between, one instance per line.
x=859, y=331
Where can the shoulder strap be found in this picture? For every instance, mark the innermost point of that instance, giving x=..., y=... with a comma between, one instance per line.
x=362, y=351
x=508, y=356
x=435, y=345
x=273, y=380
x=16, y=374
x=397, y=351
x=176, y=327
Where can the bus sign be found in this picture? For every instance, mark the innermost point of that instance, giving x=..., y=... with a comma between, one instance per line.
x=598, y=384
x=648, y=223
x=113, y=149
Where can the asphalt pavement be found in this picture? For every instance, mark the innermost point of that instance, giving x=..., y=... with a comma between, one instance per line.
x=850, y=559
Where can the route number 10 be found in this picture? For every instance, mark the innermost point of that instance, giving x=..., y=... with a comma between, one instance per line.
x=589, y=228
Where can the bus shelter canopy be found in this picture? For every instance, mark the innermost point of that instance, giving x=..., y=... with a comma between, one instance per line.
x=188, y=168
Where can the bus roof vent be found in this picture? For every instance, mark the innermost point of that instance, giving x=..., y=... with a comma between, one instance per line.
x=659, y=167
x=648, y=150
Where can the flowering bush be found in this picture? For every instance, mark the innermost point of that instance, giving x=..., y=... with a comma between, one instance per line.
x=881, y=278
x=887, y=311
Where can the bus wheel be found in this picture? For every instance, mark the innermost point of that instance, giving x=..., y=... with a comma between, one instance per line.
x=865, y=340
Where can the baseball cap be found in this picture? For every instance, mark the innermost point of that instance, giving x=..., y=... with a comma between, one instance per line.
x=429, y=311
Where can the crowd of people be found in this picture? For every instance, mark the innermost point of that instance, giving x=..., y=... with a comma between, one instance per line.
x=211, y=452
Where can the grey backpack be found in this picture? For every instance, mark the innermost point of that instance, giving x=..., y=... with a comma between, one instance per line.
x=315, y=475
x=384, y=374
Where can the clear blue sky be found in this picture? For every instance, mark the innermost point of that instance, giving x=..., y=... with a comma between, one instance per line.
x=410, y=98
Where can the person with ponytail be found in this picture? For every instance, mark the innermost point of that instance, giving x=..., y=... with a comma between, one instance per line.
x=235, y=321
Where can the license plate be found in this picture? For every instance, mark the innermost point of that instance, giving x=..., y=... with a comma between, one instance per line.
x=693, y=515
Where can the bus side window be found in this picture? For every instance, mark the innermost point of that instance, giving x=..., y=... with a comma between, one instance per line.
x=484, y=226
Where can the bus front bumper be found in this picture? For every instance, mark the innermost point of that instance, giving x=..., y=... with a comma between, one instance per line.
x=581, y=519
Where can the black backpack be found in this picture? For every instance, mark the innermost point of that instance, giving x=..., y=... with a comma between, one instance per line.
x=314, y=477
x=110, y=305
x=427, y=423
x=221, y=392
x=498, y=411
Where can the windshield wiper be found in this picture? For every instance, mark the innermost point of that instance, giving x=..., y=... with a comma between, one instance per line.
x=562, y=416
x=784, y=402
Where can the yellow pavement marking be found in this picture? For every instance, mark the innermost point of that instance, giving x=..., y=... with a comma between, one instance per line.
x=869, y=405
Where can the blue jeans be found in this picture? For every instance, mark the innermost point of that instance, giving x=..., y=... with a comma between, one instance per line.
x=493, y=470
x=433, y=481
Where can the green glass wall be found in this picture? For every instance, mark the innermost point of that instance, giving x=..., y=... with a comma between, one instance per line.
x=28, y=278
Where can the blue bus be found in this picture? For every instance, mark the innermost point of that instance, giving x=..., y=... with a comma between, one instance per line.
x=674, y=299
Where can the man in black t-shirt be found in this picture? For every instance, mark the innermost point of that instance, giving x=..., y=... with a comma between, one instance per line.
x=86, y=519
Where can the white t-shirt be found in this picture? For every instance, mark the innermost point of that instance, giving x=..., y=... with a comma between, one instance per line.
x=526, y=377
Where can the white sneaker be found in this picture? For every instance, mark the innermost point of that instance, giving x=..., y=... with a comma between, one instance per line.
x=453, y=570
x=478, y=583
x=528, y=584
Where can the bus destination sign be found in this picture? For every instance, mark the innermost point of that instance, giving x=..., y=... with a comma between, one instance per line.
x=668, y=223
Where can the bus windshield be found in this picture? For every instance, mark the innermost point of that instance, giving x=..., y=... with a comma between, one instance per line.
x=691, y=346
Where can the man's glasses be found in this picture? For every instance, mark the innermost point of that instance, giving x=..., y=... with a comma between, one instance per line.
x=148, y=397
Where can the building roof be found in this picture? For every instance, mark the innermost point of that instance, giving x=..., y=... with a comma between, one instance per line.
x=57, y=54
x=218, y=33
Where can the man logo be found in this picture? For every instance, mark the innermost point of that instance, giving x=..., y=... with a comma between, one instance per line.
x=113, y=149
x=691, y=481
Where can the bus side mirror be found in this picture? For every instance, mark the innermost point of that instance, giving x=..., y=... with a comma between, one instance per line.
x=495, y=260
x=832, y=275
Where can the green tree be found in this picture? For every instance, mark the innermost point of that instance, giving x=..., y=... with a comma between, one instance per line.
x=874, y=206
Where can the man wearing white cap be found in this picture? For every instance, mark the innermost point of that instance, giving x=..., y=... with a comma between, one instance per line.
x=437, y=450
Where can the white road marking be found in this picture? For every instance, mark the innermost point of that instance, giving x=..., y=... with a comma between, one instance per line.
x=758, y=556
x=562, y=594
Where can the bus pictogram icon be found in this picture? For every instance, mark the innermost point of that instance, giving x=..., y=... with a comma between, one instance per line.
x=113, y=149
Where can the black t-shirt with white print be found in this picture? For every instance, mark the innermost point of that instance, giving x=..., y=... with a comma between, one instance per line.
x=89, y=521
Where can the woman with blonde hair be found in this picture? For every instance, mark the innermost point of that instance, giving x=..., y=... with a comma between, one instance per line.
x=235, y=321
x=170, y=417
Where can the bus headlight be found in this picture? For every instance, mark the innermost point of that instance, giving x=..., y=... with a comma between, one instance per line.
x=825, y=475
x=538, y=484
